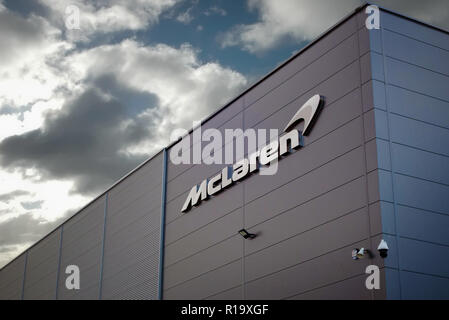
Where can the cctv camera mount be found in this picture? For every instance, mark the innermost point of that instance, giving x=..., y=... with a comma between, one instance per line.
x=383, y=248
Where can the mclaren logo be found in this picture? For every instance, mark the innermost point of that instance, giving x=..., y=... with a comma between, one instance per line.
x=291, y=139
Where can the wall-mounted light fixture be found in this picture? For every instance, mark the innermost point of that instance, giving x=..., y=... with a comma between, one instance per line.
x=245, y=234
x=360, y=253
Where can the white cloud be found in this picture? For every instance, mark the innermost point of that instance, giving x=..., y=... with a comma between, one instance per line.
x=106, y=16
x=303, y=20
x=186, y=88
x=215, y=10
x=299, y=20
x=185, y=17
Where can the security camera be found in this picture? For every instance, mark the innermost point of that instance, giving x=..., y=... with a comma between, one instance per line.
x=383, y=248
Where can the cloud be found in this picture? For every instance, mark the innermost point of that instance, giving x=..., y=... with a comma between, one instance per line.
x=185, y=17
x=81, y=142
x=134, y=97
x=303, y=20
x=30, y=205
x=6, y=197
x=107, y=16
x=20, y=232
x=215, y=10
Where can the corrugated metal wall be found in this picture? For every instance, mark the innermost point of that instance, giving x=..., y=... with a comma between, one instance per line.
x=114, y=242
x=411, y=81
x=82, y=245
x=132, y=235
x=11, y=279
x=42, y=268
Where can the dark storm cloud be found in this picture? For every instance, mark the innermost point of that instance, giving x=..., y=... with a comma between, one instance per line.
x=83, y=141
x=6, y=197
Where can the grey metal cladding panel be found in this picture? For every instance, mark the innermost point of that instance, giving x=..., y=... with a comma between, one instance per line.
x=220, y=120
x=414, y=30
x=308, y=245
x=420, y=286
x=145, y=209
x=328, y=207
x=12, y=290
x=131, y=248
x=203, y=238
x=343, y=103
x=336, y=173
x=138, y=281
x=423, y=225
x=45, y=289
x=85, y=223
x=233, y=123
x=315, y=73
x=416, y=52
x=208, y=211
x=231, y=294
x=11, y=279
x=42, y=268
x=44, y=249
x=421, y=194
x=131, y=252
x=89, y=265
x=135, y=195
x=205, y=261
x=150, y=173
x=131, y=258
x=417, y=79
x=141, y=182
x=424, y=257
x=146, y=289
x=310, y=157
x=85, y=293
x=349, y=289
x=419, y=134
x=191, y=177
x=90, y=239
x=420, y=164
x=208, y=284
x=318, y=272
x=325, y=44
x=418, y=106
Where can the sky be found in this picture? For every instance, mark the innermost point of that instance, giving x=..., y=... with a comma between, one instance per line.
x=79, y=108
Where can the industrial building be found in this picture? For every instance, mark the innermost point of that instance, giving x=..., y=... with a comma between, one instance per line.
x=375, y=165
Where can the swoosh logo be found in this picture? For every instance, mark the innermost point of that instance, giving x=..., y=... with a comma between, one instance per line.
x=308, y=113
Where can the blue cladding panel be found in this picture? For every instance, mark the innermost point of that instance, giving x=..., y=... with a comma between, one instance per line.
x=420, y=164
x=423, y=225
x=416, y=52
x=421, y=286
x=417, y=79
x=421, y=194
x=423, y=257
x=419, y=134
x=416, y=63
x=418, y=106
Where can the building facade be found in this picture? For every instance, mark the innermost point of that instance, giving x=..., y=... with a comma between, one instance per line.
x=374, y=166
